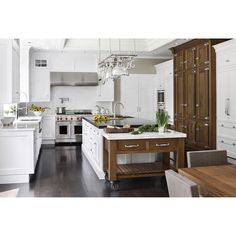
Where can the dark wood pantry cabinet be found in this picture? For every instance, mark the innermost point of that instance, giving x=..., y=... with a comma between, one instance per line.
x=195, y=92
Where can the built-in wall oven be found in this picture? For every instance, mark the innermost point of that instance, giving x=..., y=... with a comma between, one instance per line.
x=160, y=100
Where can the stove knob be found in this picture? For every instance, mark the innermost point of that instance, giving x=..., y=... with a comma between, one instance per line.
x=66, y=118
x=71, y=118
x=60, y=118
x=77, y=118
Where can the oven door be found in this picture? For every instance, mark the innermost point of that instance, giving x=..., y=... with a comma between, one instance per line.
x=76, y=131
x=63, y=131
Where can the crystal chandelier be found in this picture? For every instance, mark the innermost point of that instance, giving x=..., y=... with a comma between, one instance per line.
x=115, y=65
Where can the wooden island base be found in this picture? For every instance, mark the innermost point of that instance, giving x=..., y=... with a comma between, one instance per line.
x=116, y=172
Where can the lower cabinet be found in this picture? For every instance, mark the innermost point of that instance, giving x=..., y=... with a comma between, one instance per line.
x=18, y=155
x=48, y=129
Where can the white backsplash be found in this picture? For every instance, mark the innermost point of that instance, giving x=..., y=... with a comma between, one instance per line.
x=79, y=98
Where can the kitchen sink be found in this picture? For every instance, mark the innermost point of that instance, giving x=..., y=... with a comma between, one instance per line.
x=119, y=117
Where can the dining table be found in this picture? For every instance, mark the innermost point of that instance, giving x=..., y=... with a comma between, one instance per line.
x=213, y=181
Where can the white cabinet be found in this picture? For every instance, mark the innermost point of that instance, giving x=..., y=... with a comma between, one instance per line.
x=39, y=77
x=17, y=155
x=73, y=62
x=105, y=92
x=138, y=96
x=48, y=129
x=62, y=62
x=226, y=96
x=165, y=81
x=9, y=71
x=92, y=147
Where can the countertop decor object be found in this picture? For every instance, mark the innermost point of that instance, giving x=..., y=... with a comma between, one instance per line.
x=162, y=119
x=37, y=110
x=7, y=121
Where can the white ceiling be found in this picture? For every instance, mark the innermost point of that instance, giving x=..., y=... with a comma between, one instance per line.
x=150, y=48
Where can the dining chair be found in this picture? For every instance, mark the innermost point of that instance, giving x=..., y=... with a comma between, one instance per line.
x=206, y=158
x=180, y=186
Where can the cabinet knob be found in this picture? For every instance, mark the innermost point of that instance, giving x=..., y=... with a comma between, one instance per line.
x=234, y=144
x=206, y=125
x=206, y=118
x=197, y=105
x=197, y=129
x=222, y=141
x=194, y=117
x=222, y=125
x=234, y=127
x=227, y=60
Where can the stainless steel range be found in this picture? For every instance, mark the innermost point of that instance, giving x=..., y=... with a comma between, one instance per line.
x=69, y=126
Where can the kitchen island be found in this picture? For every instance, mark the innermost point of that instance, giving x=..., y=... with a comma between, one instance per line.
x=93, y=143
x=114, y=144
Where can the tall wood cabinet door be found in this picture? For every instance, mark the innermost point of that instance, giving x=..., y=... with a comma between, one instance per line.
x=190, y=58
x=180, y=125
x=191, y=132
x=202, y=93
x=179, y=94
x=202, y=135
x=203, y=54
x=190, y=77
x=179, y=61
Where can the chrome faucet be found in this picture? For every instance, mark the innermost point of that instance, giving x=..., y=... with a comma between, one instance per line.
x=114, y=108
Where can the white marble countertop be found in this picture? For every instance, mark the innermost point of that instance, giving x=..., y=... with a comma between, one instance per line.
x=23, y=124
x=146, y=135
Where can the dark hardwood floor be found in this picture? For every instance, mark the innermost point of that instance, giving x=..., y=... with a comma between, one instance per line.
x=64, y=172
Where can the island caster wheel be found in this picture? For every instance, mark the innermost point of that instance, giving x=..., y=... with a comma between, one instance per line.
x=106, y=177
x=114, y=186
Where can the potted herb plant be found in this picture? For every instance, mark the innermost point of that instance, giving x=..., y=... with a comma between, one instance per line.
x=162, y=119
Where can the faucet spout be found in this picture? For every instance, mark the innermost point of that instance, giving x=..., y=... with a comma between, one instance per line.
x=114, y=108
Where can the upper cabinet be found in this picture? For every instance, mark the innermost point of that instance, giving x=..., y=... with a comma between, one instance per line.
x=165, y=81
x=39, y=77
x=195, y=92
x=62, y=62
x=105, y=91
x=9, y=71
x=73, y=62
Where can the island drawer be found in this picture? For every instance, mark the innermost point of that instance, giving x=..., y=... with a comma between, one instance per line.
x=164, y=145
x=131, y=145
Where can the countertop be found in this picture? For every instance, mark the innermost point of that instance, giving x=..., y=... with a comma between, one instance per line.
x=146, y=135
x=19, y=125
x=133, y=122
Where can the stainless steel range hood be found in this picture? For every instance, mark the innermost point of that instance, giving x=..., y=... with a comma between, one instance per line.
x=73, y=79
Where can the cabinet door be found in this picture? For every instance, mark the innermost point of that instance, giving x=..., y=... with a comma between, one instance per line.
x=191, y=132
x=179, y=87
x=169, y=92
x=62, y=62
x=178, y=61
x=40, y=78
x=190, y=58
x=48, y=127
x=130, y=96
x=105, y=92
x=190, y=77
x=202, y=135
x=202, y=93
x=203, y=54
x=146, y=98
x=15, y=76
x=180, y=125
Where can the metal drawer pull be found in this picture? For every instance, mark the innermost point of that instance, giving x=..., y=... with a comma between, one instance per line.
x=132, y=145
x=162, y=145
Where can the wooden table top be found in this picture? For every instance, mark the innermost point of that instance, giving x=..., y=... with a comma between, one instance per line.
x=213, y=181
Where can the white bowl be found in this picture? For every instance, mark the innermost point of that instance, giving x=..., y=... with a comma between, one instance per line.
x=6, y=121
x=37, y=113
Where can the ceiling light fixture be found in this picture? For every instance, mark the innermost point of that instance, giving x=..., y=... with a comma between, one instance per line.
x=117, y=65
